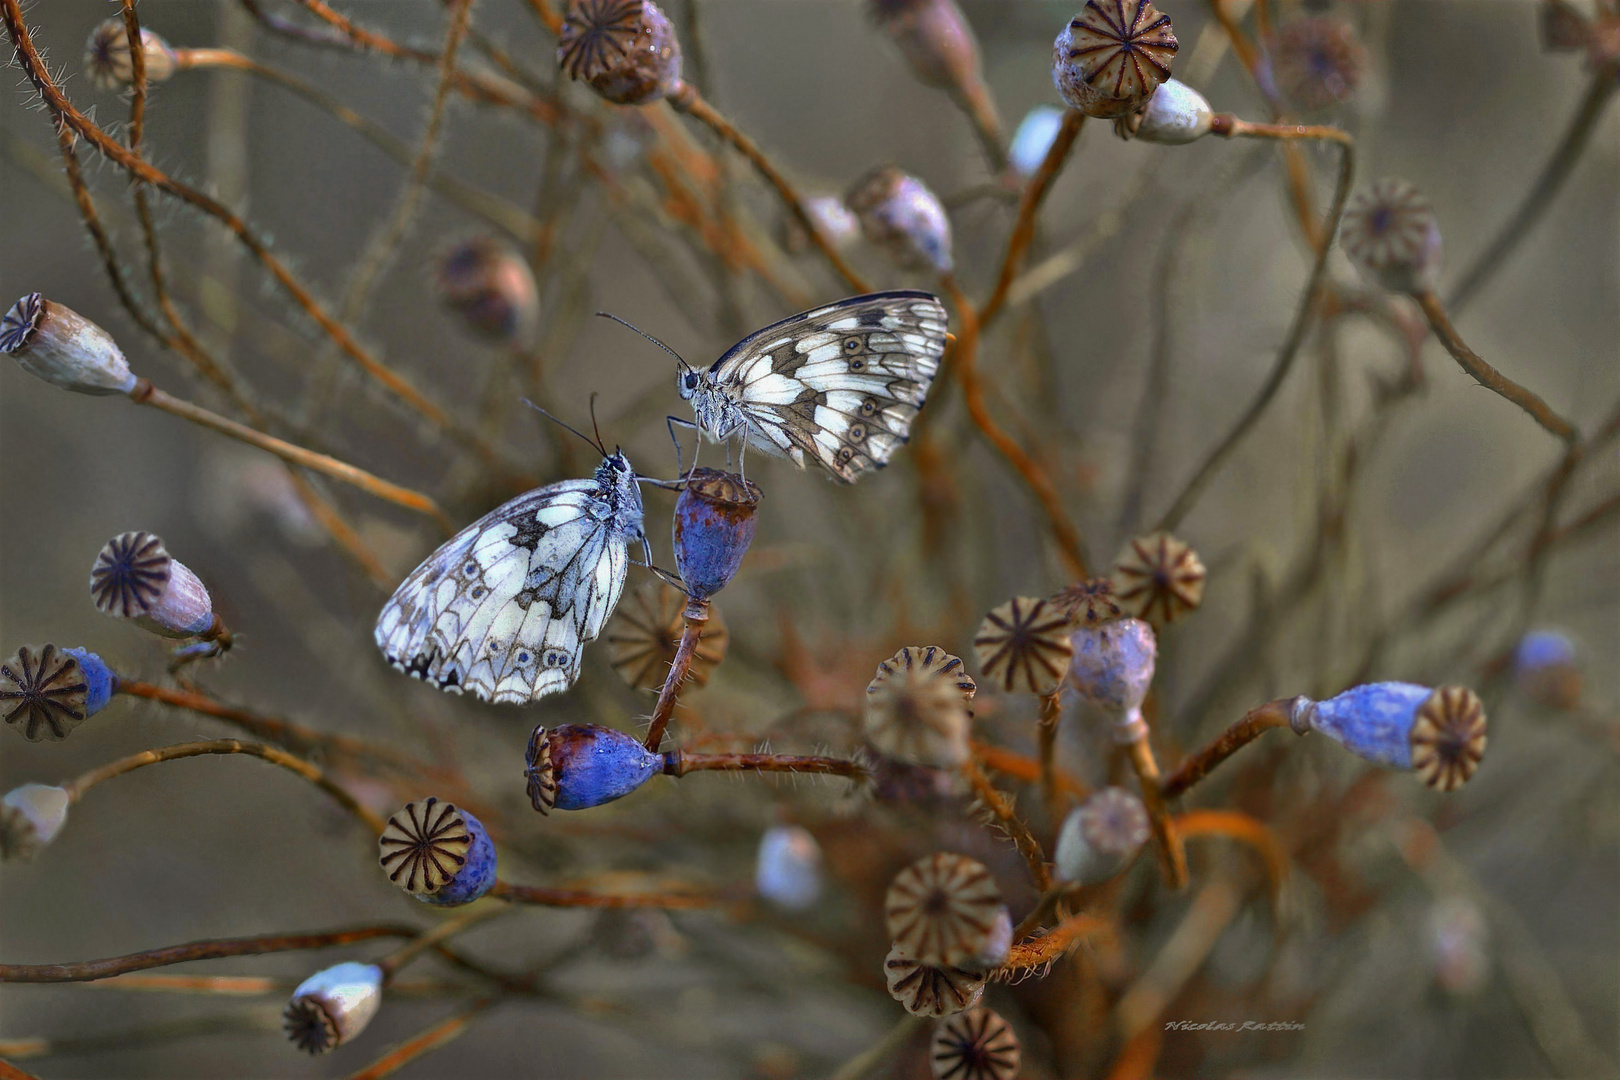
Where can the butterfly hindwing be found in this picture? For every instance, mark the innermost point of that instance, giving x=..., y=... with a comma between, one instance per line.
x=839, y=384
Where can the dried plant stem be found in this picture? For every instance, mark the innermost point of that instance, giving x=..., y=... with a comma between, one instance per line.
x=545, y=896
x=690, y=102
x=147, y=394
x=1029, y=205
x=1024, y=768
x=1051, y=945
x=975, y=101
x=1001, y=808
x=1486, y=375
x=1046, y=728
x=1541, y=194
x=547, y=15
x=696, y=616
x=1258, y=721
x=213, y=949
x=1231, y=126
x=1173, y=857
x=83, y=783
x=8, y=1071
x=1212, y=910
x=1236, y=825
x=963, y=357
x=433, y=937
x=679, y=763
x=867, y=1061
x=430, y=1040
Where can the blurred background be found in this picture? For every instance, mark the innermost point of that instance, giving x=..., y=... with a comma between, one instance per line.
x=1337, y=516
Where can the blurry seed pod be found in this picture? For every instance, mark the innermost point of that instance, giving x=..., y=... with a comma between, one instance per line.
x=490, y=288
x=1159, y=578
x=934, y=37
x=577, y=766
x=1317, y=61
x=1563, y=28
x=625, y=49
x=47, y=692
x=1113, y=667
x=1391, y=236
x=715, y=519
x=53, y=342
x=942, y=910
x=788, y=870
x=1448, y=737
x=1033, y=138
x=926, y=990
x=974, y=1045
x=1024, y=646
x=1101, y=837
x=1546, y=669
x=1175, y=114
x=645, y=633
x=30, y=818
x=438, y=853
x=901, y=217
x=917, y=707
x=1459, y=944
x=1090, y=603
x=108, y=63
x=1112, y=56
x=832, y=219
x=332, y=1006
x=134, y=577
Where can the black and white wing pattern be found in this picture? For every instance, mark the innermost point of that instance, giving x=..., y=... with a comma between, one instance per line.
x=504, y=609
x=839, y=385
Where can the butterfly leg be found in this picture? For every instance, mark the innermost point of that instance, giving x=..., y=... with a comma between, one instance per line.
x=670, y=422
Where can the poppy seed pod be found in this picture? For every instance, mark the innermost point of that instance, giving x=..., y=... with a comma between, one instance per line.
x=934, y=37
x=1113, y=668
x=1175, y=114
x=945, y=909
x=1440, y=734
x=926, y=990
x=1101, y=836
x=1033, y=138
x=490, y=288
x=832, y=219
x=577, y=766
x=788, y=869
x=438, y=853
x=974, y=1045
x=917, y=707
x=1090, y=603
x=625, y=49
x=714, y=524
x=108, y=63
x=30, y=818
x=1112, y=56
x=1391, y=236
x=57, y=344
x=45, y=693
x=1024, y=646
x=1159, y=578
x=1546, y=669
x=901, y=217
x=134, y=577
x=1317, y=62
x=333, y=1006
x=645, y=634
x=1459, y=944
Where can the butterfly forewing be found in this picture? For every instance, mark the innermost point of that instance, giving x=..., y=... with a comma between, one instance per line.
x=841, y=384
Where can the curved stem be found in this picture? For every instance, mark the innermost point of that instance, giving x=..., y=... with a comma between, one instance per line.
x=1029, y=205
x=549, y=897
x=213, y=949
x=1017, y=830
x=425, y=1043
x=679, y=763
x=1258, y=721
x=1050, y=946
x=1173, y=855
x=696, y=616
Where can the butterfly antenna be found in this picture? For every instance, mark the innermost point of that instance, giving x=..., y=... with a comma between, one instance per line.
x=643, y=333
x=596, y=445
x=597, y=430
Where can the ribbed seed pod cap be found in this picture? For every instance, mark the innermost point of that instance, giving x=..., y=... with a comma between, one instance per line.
x=30, y=818
x=1090, y=603
x=53, y=342
x=1438, y=733
x=1159, y=578
x=46, y=692
x=577, y=766
x=943, y=909
x=1112, y=56
x=1101, y=836
x=1448, y=737
x=333, y=1006
x=1317, y=61
x=645, y=632
x=1024, y=646
x=901, y=217
x=974, y=1045
x=917, y=707
x=926, y=990
x=625, y=49
x=438, y=853
x=134, y=577
x=108, y=63
x=1391, y=236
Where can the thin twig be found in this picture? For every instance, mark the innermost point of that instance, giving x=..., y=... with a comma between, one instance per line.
x=212, y=949
x=1019, y=832
x=427, y=1042
x=1273, y=714
x=1029, y=205
x=696, y=616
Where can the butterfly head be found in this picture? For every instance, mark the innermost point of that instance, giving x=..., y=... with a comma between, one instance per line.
x=687, y=381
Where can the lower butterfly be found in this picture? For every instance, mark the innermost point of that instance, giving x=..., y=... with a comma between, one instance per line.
x=505, y=608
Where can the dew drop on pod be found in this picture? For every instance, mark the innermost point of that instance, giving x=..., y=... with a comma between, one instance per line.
x=134, y=577
x=1112, y=56
x=578, y=766
x=788, y=869
x=490, y=289
x=1101, y=837
x=30, y=818
x=438, y=853
x=332, y=1006
x=53, y=342
x=902, y=218
x=1437, y=733
x=714, y=524
x=46, y=692
x=107, y=59
x=625, y=49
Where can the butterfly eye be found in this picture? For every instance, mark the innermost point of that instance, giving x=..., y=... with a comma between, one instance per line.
x=691, y=380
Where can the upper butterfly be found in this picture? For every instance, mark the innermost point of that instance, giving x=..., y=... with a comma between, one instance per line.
x=505, y=607
x=838, y=385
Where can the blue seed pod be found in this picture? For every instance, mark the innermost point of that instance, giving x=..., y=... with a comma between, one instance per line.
x=1113, y=667
x=788, y=872
x=438, y=853
x=100, y=679
x=1033, y=138
x=46, y=692
x=714, y=524
x=1547, y=670
x=333, y=1006
x=577, y=766
x=1440, y=733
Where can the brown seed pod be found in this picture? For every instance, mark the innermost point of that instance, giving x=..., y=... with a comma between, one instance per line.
x=1448, y=737
x=108, y=63
x=424, y=845
x=1090, y=603
x=45, y=692
x=646, y=630
x=1317, y=62
x=917, y=707
x=1158, y=578
x=539, y=771
x=1112, y=56
x=942, y=909
x=900, y=216
x=1023, y=645
x=974, y=1045
x=130, y=574
x=926, y=990
x=490, y=288
x=1391, y=236
x=626, y=49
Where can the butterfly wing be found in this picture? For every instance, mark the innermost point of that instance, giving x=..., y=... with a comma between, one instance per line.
x=841, y=384
x=505, y=607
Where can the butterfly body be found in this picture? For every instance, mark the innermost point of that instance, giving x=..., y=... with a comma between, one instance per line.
x=505, y=607
x=837, y=386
